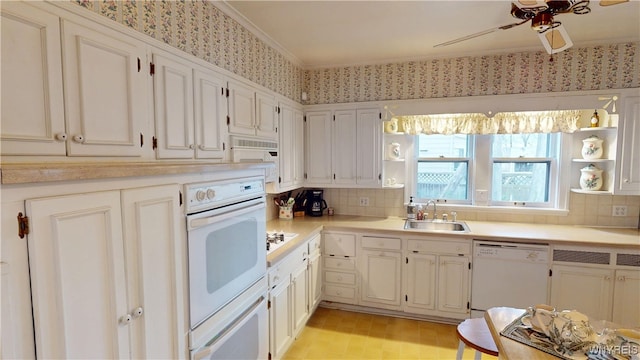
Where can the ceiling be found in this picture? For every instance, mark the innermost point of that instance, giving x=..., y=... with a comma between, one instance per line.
x=316, y=34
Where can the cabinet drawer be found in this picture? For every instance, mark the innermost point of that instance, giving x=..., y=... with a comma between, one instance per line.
x=339, y=263
x=339, y=244
x=340, y=292
x=443, y=247
x=340, y=277
x=381, y=243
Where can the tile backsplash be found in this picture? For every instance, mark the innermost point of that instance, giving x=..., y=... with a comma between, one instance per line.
x=586, y=210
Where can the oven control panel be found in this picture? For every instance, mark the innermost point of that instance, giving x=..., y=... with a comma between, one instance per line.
x=208, y=195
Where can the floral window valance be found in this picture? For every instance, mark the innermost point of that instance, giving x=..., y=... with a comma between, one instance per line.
x=501, y=123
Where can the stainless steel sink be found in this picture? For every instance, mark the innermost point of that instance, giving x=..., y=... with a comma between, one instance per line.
x=438, y=226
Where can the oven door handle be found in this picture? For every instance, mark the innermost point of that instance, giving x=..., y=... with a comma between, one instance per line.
x=210, y=346
x=214, y=218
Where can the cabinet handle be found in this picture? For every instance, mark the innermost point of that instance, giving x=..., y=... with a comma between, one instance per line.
x=78, y=138
x=626, y=181
x=137, y=312
x=125, y=319
x=621, y=278
x=202, y=147
x=607, y=278
x=191, y=146
x=61, y=137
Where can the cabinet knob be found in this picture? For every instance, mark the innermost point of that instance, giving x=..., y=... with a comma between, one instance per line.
x=202, y=147
x=626, y=181
x=125, y=319
x=61, y=137
x=621, y=278
x=78, y=138
x=192, y=146
x=607, y=278
x=137, y=312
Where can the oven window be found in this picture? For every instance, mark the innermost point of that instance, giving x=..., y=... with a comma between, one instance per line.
x=231, y=251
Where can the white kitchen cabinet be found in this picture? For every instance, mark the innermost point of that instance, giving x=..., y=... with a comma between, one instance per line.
x=453, y=284
x=339, y=266
x=318, y=163
x=190, y=109
x=32, y=96
x=315, y=273
x=368, y=142
x=300, y=297
x=626, y=310
x=629, y=136
x=437, y=277
x=422, y=282
x=87, y=274
x=571, y=284
x=280, y=322
x=345, y=147
x=290, y=148
x=380, y=269
x=251, y=112
x=104, y=89
x=266, y=125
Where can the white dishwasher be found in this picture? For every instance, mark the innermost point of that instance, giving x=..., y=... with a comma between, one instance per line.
x=508, y=274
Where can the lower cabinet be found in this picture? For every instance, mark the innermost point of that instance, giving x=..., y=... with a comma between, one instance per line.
x=601, y=283
x=380, y=268
x=107, y=274
x=315, y=273
x=288, y=300
x=437, y=274
x=340, y=275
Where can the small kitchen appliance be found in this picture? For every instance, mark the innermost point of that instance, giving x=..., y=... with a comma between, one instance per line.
x=315, y=202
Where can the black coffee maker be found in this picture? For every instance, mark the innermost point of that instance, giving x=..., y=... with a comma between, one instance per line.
x=315, y=204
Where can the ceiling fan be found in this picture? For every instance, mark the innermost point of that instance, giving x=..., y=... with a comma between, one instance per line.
x=541, y=14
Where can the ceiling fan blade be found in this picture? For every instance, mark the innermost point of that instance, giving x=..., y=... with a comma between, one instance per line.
x=612, y=2
x=555, y=39
x=485, y=32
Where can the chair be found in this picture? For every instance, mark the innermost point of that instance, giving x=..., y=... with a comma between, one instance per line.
x=475, y=334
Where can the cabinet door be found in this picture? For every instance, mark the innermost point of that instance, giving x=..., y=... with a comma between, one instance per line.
x=381, y=277
x=421, y=281
x=280, y=323
x=346, y=147
x=629, y=179
x=77, y=276
x=626, y=310
x=173, y=99
x=154, y=253
x=315, y=281
x=266, y=116
x=568, y=286
x=300, y=301
x=368, y=147
x=32, y=103
x=105, y=91
x=286, y=152
x=318, y=145
x=298, y=148
x=242, y=109
x=210, y=115
x=453, y=284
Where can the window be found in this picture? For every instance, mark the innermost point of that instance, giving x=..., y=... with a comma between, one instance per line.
x=515, y=169
x=443, y=168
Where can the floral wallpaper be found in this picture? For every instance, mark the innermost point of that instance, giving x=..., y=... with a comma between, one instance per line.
x=199, y=28
x=590, y=68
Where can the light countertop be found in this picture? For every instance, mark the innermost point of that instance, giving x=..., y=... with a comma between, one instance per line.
x=307, y=226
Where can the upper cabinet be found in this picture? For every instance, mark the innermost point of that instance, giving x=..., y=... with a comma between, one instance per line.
x=190, y=109
x=251, y=112
x=628, y=164
x=32, y=102
x=105, y=91
x=290, y=147
x=343, y=147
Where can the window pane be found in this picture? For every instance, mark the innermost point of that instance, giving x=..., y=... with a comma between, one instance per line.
x=434, y=146
x=442, y=180
x=516, y=145
x=521, y=181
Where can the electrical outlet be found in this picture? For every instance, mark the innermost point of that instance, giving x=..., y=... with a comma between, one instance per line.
x=619, y=210
x=364, y=201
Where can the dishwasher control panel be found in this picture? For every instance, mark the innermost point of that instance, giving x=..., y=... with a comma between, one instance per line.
x=511, y=251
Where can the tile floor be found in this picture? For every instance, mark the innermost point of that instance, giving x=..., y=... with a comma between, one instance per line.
x=337, y=334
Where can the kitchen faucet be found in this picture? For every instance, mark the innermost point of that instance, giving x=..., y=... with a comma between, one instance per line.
x=435, y=215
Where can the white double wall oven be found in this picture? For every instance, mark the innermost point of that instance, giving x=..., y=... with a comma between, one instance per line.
x=226, y=223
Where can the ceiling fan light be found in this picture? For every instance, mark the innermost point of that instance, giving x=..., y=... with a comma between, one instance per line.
x=556, y=39
x=542, y=22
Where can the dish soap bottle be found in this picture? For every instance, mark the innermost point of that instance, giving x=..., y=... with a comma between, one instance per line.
x=411, y=209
